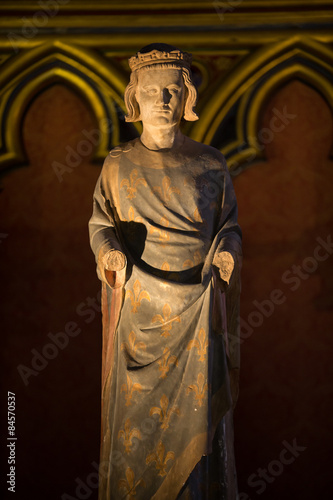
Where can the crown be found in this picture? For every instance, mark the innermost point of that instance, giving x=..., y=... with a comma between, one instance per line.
x=158, y=57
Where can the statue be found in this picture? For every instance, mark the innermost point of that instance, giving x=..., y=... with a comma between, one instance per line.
x=168, y=249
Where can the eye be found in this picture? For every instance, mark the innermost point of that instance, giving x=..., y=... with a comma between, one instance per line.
x=173, y=90
x=151, y=91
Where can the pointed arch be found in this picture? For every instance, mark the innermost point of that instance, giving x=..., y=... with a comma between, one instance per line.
x=25, y=75
x=249, y=86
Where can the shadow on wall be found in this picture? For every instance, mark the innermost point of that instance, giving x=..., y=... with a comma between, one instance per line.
x=286, y=213
x=51, y=310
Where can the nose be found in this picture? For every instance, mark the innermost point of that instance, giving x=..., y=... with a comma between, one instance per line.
x=164, y=96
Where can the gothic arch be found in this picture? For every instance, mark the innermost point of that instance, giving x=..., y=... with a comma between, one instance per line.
x=246, y=90
x=23, y=76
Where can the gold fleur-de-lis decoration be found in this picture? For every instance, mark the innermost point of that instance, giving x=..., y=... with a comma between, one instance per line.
x=129, y=483
x=201, y=344
x=166, y=320
x=131, y=215
x=164, y=236
x=199, y=389
x=187, y=180
x=129, y=388
x=166, y=190
x=166, y=361
x=137, y=296
x=195, y=262
x=132, y=184
x=131, y=347
x=161, y=458
x=164, y=412
x=127, y=434
x=197, y=216
x=165, y=266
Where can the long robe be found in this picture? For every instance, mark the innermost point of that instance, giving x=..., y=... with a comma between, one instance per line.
x=167, y=349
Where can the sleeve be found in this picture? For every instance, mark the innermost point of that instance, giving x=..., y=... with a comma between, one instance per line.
x=230, y=240
x=103, y=235
x=230, y=234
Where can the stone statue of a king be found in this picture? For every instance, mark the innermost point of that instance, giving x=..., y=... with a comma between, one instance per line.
x=168, y=248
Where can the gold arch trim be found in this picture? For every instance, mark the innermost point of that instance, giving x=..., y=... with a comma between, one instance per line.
x=101, y=86
x=238, y=87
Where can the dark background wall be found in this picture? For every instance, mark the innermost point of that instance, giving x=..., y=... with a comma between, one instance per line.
x=50, y=315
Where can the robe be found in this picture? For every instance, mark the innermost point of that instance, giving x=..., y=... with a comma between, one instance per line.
x=167, y=345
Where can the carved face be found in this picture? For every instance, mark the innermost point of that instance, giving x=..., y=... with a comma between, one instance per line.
x=160, y=94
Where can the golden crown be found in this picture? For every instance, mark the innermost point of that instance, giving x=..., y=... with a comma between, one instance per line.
x=160, y=57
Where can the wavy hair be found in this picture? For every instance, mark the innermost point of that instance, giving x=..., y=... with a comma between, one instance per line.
x=190, y=93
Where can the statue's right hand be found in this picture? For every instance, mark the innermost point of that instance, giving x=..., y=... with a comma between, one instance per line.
x=112, y=267
x=114, y=260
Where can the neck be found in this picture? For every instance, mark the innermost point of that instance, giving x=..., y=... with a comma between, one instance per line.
x=161, y=138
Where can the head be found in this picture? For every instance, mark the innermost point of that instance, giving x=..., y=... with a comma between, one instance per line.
x=163, y=69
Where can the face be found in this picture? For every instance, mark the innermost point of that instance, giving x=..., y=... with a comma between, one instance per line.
x=160, y=95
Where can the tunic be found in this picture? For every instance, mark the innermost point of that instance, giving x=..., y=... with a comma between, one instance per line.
x=166, y=343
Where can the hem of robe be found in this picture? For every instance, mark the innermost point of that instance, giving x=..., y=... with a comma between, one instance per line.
x=199, y=446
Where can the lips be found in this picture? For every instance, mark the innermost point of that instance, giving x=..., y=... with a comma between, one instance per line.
x=162, y=110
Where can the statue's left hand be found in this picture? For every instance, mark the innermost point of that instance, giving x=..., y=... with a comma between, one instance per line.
x=225, y=263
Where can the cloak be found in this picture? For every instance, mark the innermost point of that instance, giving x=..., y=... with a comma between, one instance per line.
x=167, y=344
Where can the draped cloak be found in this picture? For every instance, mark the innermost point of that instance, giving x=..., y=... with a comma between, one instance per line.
x=167, y=347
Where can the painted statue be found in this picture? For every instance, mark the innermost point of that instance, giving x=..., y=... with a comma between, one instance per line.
x=168, y=248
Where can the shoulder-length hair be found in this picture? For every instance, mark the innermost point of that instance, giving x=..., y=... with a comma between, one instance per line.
x=190, y=93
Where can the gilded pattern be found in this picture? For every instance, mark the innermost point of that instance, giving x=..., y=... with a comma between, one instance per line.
x=195, y=262
x=166, y=361
x=129, y=388
x=129, y=483
x=131, y=216
x=196, y=215
x=131, y=347
x=166, y=190
x=137, y=296
x=199, y=389
x=127, y=434
x=201, y=344
x=165, y=266
x=160, y=458
x=132, y=184
x=164, y=236
x=164, y=412
x=166, y=320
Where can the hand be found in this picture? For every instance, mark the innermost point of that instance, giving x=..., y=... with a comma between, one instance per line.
x=112, y=267
x=114, y=260
x=225, y=263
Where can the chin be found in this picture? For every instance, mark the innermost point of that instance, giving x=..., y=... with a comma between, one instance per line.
x=163, y=120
